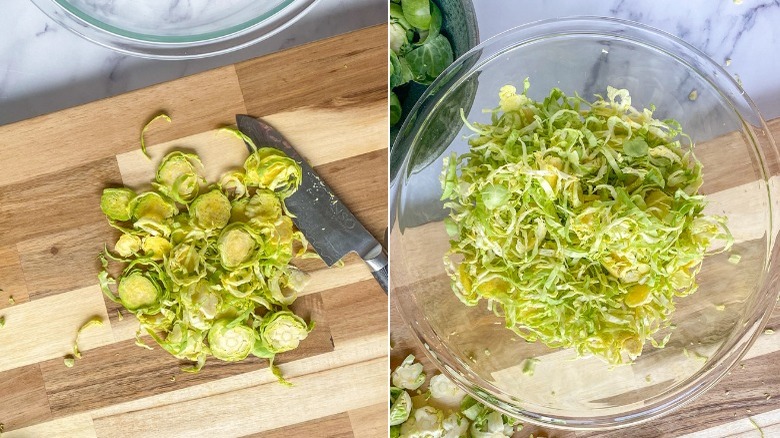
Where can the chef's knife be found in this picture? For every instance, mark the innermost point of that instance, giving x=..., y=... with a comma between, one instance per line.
x=327, y=223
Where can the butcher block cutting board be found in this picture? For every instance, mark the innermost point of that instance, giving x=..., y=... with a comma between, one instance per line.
x=329, y=98
x=746, y=403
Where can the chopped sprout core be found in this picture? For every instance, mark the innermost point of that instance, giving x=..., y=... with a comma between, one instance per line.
x=207, y=267
x=579, y=222
x=444, y=411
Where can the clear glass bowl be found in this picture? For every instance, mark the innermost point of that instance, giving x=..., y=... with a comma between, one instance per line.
x=175, y=29
x=585, y=55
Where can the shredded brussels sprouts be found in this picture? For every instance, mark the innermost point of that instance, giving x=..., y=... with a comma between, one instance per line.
x=207, y=267
x=579, y=222
x=444, y=411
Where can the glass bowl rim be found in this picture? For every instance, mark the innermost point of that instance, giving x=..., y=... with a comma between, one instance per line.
x=191, y=47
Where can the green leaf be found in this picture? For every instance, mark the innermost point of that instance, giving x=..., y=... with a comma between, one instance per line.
x=494, y=196
x=395, y=109
x=400, y=72
x=636, y=147
x=428, y=60
x=436, y=22
x=417, y=12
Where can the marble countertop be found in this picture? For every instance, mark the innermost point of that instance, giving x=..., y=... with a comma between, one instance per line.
x=743, y=37
x=44, y=67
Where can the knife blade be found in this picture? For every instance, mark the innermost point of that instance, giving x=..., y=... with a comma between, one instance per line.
x=326, y=222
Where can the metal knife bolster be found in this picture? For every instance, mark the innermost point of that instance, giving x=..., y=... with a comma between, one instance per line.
x=376, y=259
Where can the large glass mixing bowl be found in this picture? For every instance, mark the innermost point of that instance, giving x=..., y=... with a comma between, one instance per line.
x=714, y=326
x=175, y=29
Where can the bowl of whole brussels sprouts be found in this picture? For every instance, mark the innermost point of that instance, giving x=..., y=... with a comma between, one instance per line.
x=426, y=36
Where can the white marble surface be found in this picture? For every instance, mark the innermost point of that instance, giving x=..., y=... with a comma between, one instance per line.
x=748, y=33
x=44, y=67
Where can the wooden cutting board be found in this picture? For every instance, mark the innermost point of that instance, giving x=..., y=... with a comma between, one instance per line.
x=750, y=391
x=329, y=99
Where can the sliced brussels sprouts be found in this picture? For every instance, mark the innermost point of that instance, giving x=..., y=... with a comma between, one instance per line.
x=152, y=206
x=174, y=165
x=200, y=305
x=127, y=245
x=185, y=343
x=230, y=343
x=400, y=406
x=236, y=245
x=211, y=210
x=116, y=203
x=184, y=264
x=160, y=321
x=233, y=184
x=177, y=176
x=238, y=210
x=408, y=375
x=264, y=207
x=136, y=290
x=445, y=392
x=271, y=169
x=241, y=282
x=156, y=247
x=214, y=277
x=282, y=331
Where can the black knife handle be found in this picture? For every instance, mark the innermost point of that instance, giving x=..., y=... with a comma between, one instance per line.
x=379, y=269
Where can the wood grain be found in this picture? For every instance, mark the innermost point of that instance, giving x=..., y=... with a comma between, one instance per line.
x=259, y=408
x=337, y=426
x=46, y=329
x=12, y=283
x=51, y=230
x=333, y=74
x=357, y=311
x=108, y=127
x=368, y=422
x=50, y=204
x=23, y=397
x=58, y=262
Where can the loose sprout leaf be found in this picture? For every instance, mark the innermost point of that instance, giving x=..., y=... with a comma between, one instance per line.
x=578, y=222
x=232, y=130
x=69, y=361
x=2, y=321
x=162, y=116
x=95, y=321
x=207, y=268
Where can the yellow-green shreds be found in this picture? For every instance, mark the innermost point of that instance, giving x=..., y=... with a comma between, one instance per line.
x=579, y=222
x=207, y=266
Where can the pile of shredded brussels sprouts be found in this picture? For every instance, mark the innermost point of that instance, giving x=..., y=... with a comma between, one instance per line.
x=208, y=268
x=443, y=411
x=579, y=222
